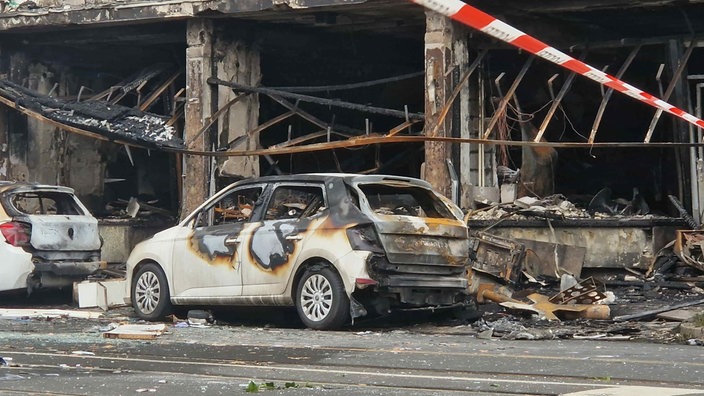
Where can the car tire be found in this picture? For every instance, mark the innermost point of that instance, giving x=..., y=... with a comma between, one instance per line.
x=150, y=293
x=321, y=300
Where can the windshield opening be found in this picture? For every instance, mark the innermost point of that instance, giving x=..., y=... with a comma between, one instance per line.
x=45, y=203
x=398, y=200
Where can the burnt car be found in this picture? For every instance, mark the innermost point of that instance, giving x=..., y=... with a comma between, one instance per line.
x=335, y=246
x=49, y=239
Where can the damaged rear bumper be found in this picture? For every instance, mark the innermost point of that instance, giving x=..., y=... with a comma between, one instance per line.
x=61, y=274
x=404, y=286
x=69, y=268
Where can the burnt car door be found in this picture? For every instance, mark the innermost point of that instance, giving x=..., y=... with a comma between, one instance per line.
x=292, y=214
x=205, y=256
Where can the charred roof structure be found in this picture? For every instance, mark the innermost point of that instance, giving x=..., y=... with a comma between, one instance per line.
x=218, y=91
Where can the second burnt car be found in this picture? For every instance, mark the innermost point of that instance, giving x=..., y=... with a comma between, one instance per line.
x=335, y=246
x=48, y=238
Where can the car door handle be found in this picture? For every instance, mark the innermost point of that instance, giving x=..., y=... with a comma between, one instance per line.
x=294, y=237
x=232, y=241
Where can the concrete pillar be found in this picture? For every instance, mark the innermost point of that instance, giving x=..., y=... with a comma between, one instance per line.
x=41, y=157
x=239, y=62
x=17, y=135
x=199, y=67
x=446, y=60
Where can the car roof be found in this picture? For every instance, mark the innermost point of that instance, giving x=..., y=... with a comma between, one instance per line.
x=10, y=186
x=322, y=177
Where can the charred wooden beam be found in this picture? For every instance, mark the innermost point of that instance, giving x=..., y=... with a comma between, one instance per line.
x=314, y=120
x=342, y=87
x=316, y=100
x=131, y=83
x=144, y=106
x=256, y=131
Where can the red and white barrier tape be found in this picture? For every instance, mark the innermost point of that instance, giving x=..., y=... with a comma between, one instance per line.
x=486, y=23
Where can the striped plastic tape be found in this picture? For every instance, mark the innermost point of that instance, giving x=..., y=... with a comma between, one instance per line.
x=486, y=23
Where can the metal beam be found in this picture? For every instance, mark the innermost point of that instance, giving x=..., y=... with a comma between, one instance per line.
x=316, y=100
x=556, y=103
x=504, y=101
x=670, y=87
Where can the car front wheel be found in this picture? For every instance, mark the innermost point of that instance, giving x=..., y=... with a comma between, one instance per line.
x=150, y=293
x=321, y=300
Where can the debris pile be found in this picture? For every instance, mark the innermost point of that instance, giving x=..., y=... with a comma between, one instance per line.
x=558, y=207
x=552, y=207
x=136, y=208
x=525, y=284
x=500, y=268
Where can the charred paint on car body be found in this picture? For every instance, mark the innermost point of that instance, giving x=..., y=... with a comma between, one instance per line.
x=210, y=244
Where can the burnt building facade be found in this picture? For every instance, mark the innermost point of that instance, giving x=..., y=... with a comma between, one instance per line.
x=166, y=101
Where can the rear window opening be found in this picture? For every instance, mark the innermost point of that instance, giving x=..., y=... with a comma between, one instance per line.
x=45, y=203
x=404, y=201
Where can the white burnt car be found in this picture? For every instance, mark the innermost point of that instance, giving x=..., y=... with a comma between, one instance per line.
x=49, y=239
x=335, y=246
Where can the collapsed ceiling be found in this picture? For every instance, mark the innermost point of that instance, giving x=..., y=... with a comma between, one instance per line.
x=105, y=120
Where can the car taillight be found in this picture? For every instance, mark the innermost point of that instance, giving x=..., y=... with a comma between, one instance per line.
x=16, y=233
x=364, y=237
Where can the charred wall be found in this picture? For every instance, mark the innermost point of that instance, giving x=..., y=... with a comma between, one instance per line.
x=315, y=51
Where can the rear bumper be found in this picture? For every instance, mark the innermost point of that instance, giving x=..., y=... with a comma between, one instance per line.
x=420, y=281
x=69, y=268
x=416, y=285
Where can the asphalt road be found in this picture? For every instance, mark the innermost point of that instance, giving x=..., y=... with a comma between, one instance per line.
x=268, y=350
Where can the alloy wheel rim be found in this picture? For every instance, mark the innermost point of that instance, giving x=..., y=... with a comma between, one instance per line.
x=147, y=292
x=316, y=298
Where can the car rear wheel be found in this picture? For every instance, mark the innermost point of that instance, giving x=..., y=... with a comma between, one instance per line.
x=321, y=300
x=150, y=293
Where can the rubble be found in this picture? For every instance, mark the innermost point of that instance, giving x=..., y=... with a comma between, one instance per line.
x=516, y=277
x=556, y=206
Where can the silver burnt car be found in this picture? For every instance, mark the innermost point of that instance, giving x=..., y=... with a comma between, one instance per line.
x=335, y=246
x=49, y=239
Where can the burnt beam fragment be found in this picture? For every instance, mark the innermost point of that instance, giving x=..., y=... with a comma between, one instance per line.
x=316, y=100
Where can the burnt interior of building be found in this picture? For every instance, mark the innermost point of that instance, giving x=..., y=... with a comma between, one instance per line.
x=318, y=65
x=337, y=53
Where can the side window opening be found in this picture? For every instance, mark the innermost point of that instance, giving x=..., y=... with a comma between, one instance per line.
x=234, y=207
x=293, y=202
